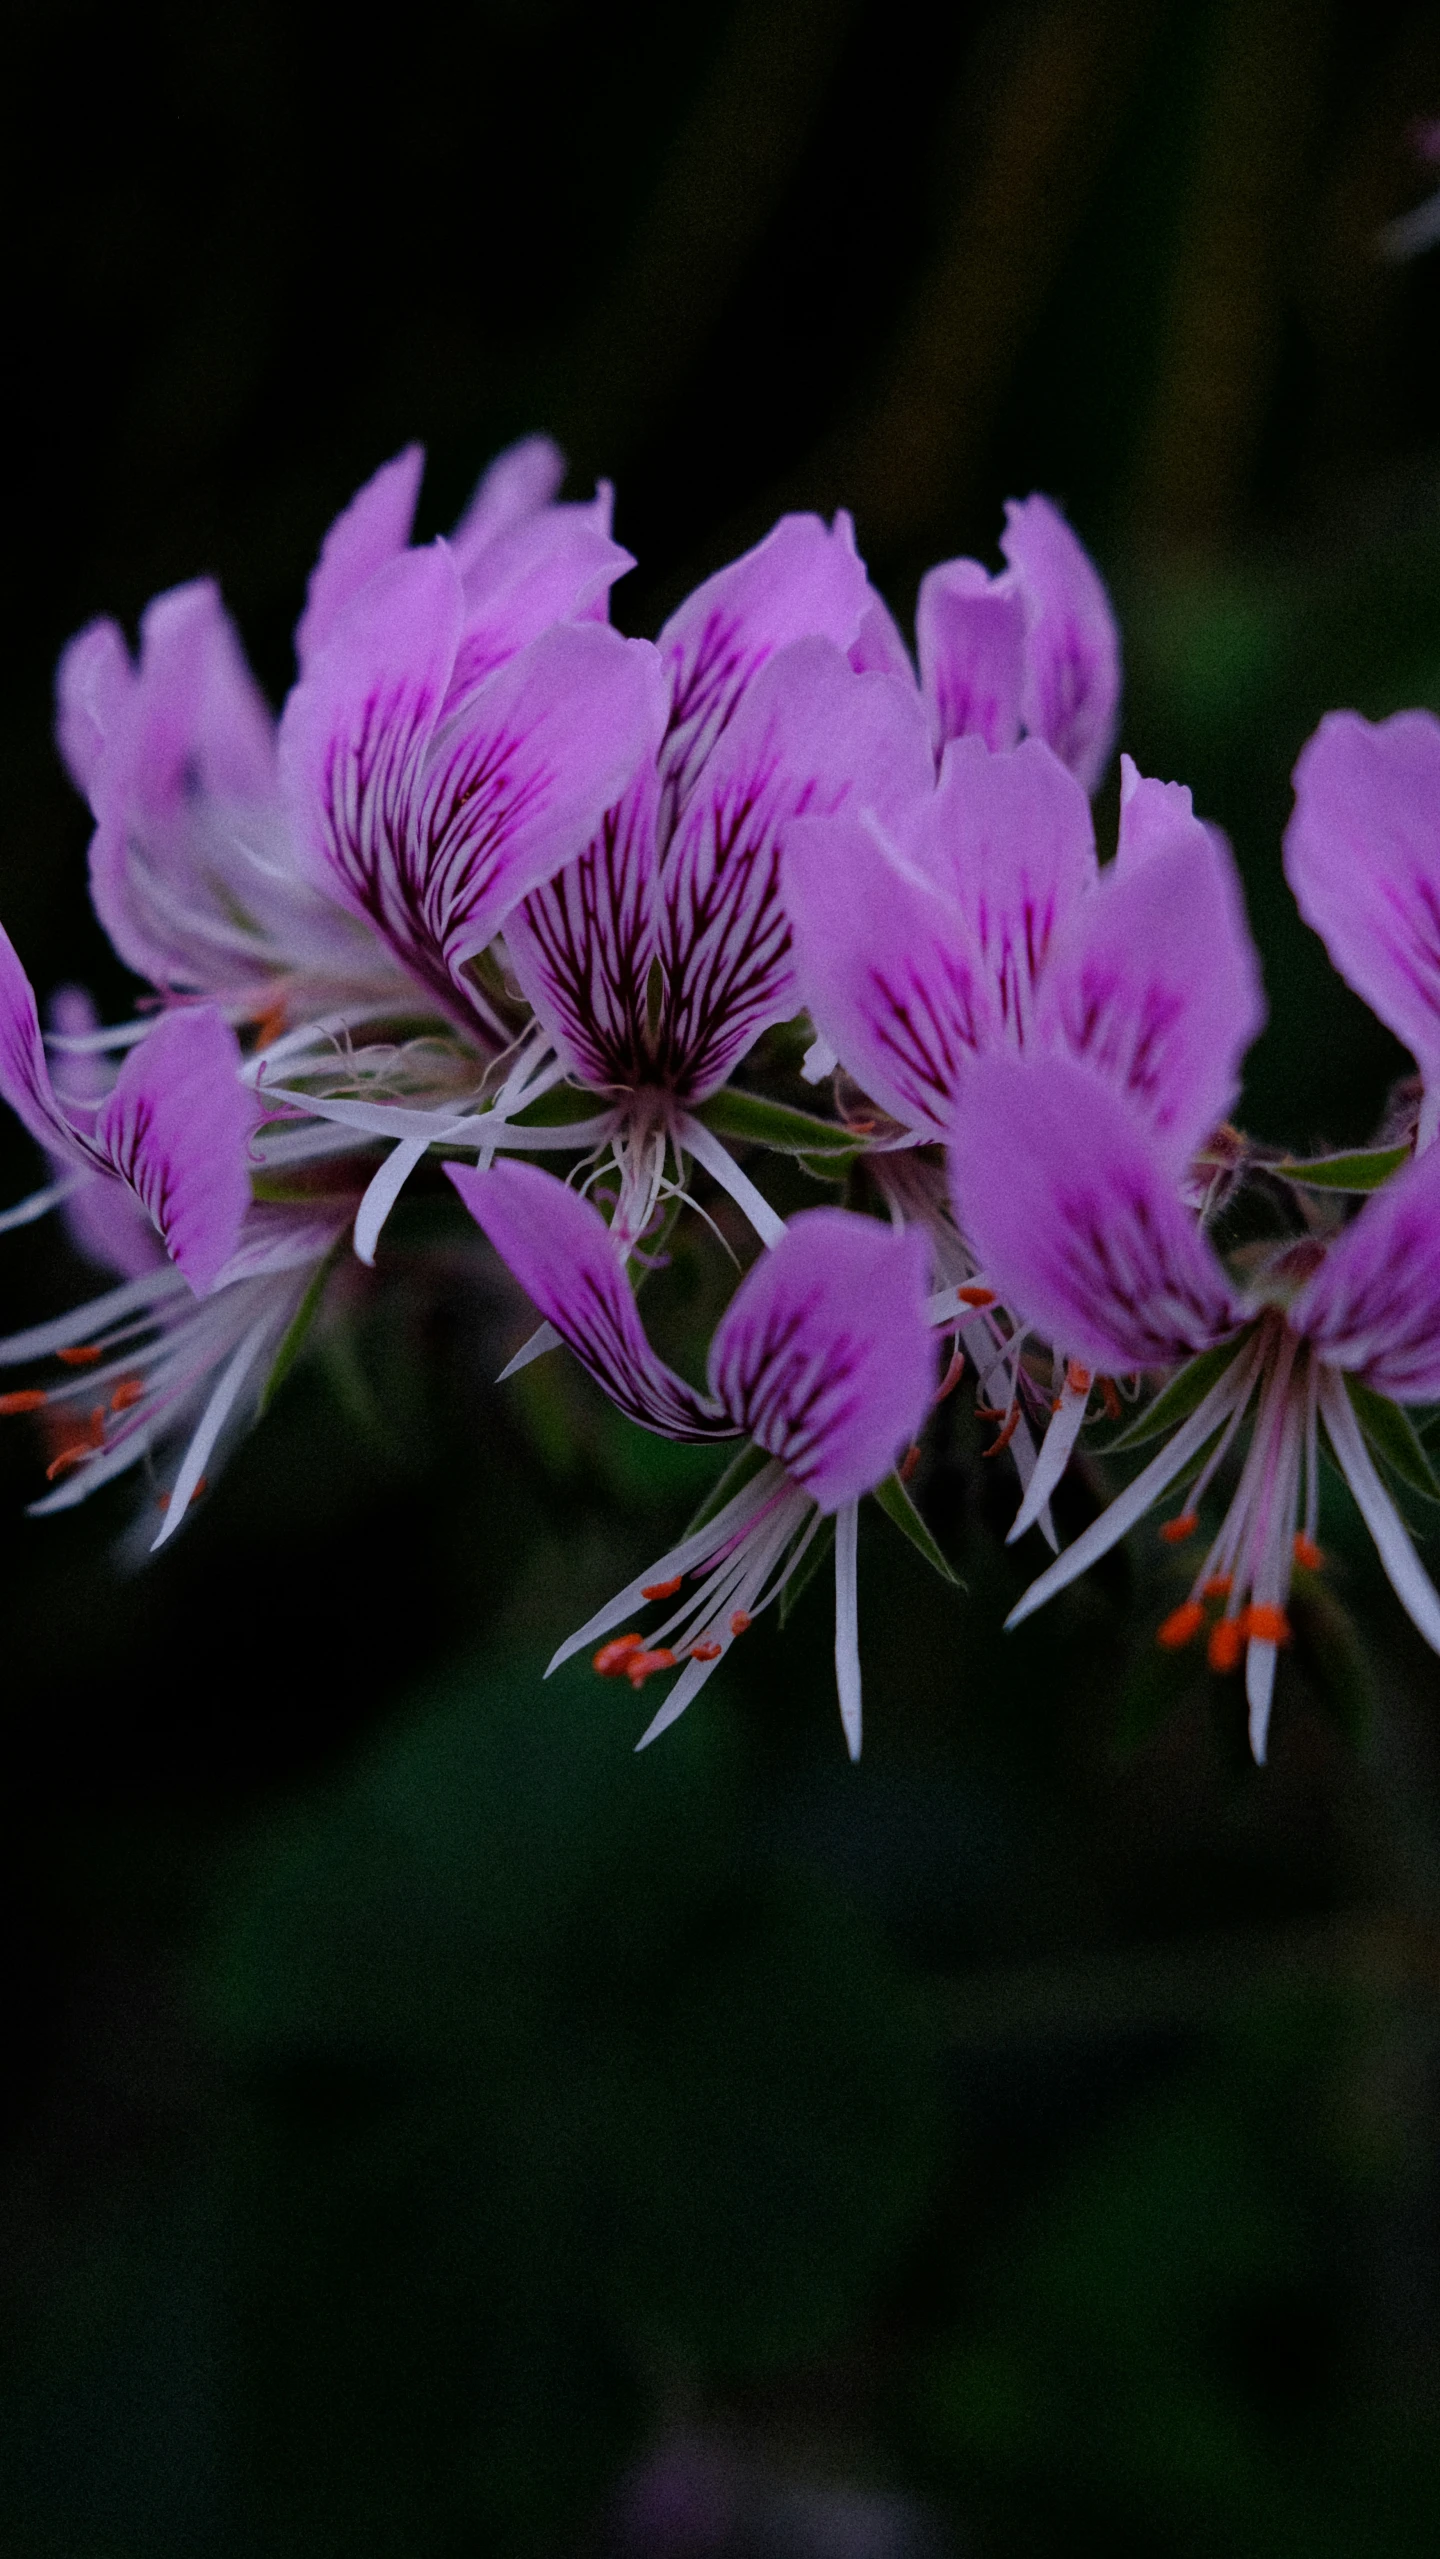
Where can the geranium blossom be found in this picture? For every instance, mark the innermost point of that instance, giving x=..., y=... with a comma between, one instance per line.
x=824, y=1362
x=1074, y=1205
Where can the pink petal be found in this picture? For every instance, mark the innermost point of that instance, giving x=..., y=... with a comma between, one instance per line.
x=373, y=529
x=24, y=1075
x=520, y=481
x=824, y=1356
x=176, y=1127
x=1009, y=837
x=93, y=683
x=801, y=580
x=971, y=634
x=582, y=945
x=1154, y=982
x=178, y=752
x=886, y=967
x=809, y=736
x=1362, y=855
x=879, y=649
x=1075, y=1220
x=1072, y=651
x=1372, y=1306
x=1154, y=815
x=560, y=1250
x=556, y=566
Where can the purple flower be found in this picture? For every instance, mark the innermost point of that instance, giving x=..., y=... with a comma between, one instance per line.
x=1034, y=652
x=1071, y=1199
x=153, y=1167
x=655, y=959
x=978, y=919
x=823, y=1362
x=461, y=722
x=1362, y=855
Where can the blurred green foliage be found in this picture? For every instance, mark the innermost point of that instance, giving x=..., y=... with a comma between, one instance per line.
x=417, y=2111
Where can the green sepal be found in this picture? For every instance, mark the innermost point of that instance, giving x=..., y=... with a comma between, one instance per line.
x=293, y=1339
x=820, y=1548
x=1363, y=1171
x=1393, y=1436
x=731, y=1113
x=895, y=1502
x=742, y=1468
x=1177, y=1401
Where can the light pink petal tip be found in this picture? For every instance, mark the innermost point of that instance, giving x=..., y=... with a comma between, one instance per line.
x=1072, y=649
x=971, y=635
x=1072, y=1213
x=372, y=530
x=1362, y=856
x=824, y=1356
x=561, y=1251
x=518, y=483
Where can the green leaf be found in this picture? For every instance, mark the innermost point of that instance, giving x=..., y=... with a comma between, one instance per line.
x=1393, y=1436
x=736, y=1476
x=820, y=1548
x=895, y=1502
x=731, y=1113
x=1177, y=1401
x=1364, y=1171
x=296, y=1331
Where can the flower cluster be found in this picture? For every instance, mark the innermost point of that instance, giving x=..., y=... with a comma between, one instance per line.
x=502, y=884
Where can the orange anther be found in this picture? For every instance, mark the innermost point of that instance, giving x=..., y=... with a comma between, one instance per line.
x=662, y=1590
x=25, y=1399
x=75, y=1449
x=129, y=1391
x=909, y=1462
x=1175, y=1531
x=1227, y=1643
x=614, y=1657
x=270, y=1023
x=641, y=1664
x=1307, y=1553
x=203, y=1486
x=1217, y=1587
x=1008, y=1429
x=739, y=1623
x=162, y=1501
x=1110, y=1395
x=80, y=1354
x=951, y=1378
x=976, y=1296
x=1266, y=1625
x=705, y=1652
x=1077, y=1378
x=1181, y=1626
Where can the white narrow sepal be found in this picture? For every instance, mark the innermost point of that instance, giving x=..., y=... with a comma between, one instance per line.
x=25, y=1212
x=1407, y=1575
x=212, y=1422
x=1135, y=1501
x=691, y=1680
x=543, y=1339
x=1259, y=1689
x=382, y=1191
x=707, y=1150
x=847, y=1622
x=1061, y=1433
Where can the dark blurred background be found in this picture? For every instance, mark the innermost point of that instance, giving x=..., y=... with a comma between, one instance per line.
x=426, y=2128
